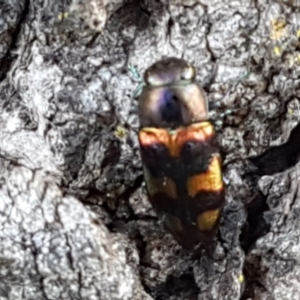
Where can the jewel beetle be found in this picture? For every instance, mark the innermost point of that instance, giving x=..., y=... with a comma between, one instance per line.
x=180, y=154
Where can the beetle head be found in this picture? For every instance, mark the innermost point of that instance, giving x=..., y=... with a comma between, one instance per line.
x=171, y=97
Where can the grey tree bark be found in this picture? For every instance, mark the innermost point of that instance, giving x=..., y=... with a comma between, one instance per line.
x=75, y=222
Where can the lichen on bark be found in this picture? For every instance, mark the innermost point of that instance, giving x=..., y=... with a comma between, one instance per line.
x=74, y=217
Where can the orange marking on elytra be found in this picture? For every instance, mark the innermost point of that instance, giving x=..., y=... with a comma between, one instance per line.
x=174, y=140
x=209, y=181
x=207, y=220
x=160, y=185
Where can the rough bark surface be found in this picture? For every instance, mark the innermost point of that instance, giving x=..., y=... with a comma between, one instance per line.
x=75, y=222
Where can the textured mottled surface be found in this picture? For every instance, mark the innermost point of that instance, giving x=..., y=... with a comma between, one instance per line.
x=74, y=219
x=54, y=248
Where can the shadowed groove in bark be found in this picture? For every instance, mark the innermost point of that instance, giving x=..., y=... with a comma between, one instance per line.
x=274, y=160
x=280, y=158
x=136, y=184
x=256, y=225
x=184, y=286
x=9, y=57
x=252, y=274
x=255, y=228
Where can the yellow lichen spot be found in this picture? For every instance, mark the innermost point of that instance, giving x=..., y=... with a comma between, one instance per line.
x=241, y=278
x=277, y=50
x=120, y=132
x=278, y=29
x=293, y=59
x=298, y=33
x=63, y=16
x=207, y=220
